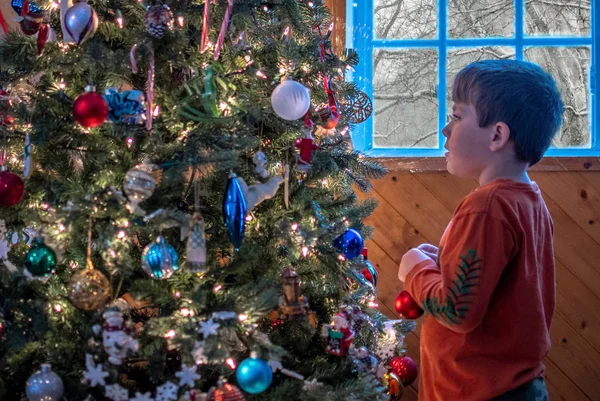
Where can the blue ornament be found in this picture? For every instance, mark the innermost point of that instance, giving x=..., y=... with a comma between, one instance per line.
x=234, y=211
x=125, y=107
x=254, y=375
x=159, y=259
x=17, y=5
x=349, y=243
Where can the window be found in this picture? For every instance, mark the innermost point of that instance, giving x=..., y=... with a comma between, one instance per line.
x=410, y=51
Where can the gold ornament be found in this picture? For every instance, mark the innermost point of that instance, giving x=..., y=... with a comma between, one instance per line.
x=393, y=386
x=89, y=289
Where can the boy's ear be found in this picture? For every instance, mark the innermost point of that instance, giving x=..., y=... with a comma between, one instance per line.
x=499, y=137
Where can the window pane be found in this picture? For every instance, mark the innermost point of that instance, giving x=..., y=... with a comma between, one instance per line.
x=459, y=57
x=405, y=19
x=481, y=18
x=558, y=17
x=570, y=67
x=404, y=91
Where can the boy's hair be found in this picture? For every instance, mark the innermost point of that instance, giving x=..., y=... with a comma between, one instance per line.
x=518, y=93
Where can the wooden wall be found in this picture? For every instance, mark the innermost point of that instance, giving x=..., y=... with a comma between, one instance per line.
x=415, y=208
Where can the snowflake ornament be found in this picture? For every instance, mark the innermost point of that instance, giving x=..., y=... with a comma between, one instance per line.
x=167, y=392
x=198, y=353
x=208, y=328
x=94, y=374
x=187, y=375
x=386, y=348
x=116, y=393
x=142, y=397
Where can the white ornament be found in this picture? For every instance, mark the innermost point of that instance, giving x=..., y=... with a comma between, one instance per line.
x=116, y=393
x=116, y=342
x=311, y=385
x=208, y=328
x=94, y=373
x=142, y=397
x=80, y=22
x=167, y=392
x=290, y=100
x=198, y=353
x=187, y=375
x=256, y=193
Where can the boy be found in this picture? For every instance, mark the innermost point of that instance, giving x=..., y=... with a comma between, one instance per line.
x=489, y=291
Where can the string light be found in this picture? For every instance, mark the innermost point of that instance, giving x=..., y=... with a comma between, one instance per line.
x=58, y=308
x=156, y=111
x=170, y=334
x=121, y=234
x=217, y=288
x=180, y=20
x=242, y=317
x=62, y=84
x=331, y=27
x=294, y=226
x=261, y=74
x=311, y=4
x=119, y=19
x=61, y=227
x=305, y=251
x=249, y=218
x=185, y=312
x=231, y=363
x=341, y=258
x=373, y=304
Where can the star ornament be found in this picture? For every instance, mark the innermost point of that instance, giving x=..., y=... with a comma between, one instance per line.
x=208, y=328
x=187, y=375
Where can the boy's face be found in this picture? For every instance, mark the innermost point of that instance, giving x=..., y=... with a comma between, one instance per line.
x=468, y=144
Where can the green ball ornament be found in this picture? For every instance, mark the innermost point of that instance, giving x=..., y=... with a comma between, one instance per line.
x=40, y=260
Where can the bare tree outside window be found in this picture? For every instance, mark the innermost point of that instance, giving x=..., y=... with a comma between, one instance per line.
x=405, y=80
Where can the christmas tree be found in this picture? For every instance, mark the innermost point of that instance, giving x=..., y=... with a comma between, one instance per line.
x=178, y=206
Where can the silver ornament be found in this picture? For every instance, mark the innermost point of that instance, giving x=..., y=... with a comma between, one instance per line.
x=139, y=185
x=160, y=260
x=290, y=100
x=81, y=22
x=44, y=385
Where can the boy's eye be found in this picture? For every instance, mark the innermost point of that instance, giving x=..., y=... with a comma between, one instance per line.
x=452, y=117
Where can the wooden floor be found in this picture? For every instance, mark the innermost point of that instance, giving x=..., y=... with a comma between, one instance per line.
x=415, y=208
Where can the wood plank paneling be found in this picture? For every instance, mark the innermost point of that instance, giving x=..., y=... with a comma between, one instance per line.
x=415, y=208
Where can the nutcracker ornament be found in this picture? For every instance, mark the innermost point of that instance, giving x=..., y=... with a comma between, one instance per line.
x=307, y=147
x=292, y=302
x=117, y=342
x=363, y=361
x=338, y=336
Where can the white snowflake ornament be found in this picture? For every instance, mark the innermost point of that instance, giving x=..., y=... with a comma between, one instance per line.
x=208, y=328
x=116, y=393
x=142, y=397
x=187, y=375
x=167, y=392
x=94, y=374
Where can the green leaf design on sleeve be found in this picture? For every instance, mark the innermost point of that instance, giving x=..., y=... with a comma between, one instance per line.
x=454, y=308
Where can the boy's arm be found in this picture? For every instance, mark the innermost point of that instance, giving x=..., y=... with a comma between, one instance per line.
x=477, y=249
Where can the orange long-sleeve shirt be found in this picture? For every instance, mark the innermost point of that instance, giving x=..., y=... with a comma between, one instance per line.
x=490, y=298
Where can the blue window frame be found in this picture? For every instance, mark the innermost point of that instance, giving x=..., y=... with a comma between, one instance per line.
x=360, y=35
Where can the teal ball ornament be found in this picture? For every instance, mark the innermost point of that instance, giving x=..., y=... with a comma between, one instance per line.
x=40, y=259
x=254, y=375
x=160, y=260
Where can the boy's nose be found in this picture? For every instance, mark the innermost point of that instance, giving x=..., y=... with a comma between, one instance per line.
x=446, y=130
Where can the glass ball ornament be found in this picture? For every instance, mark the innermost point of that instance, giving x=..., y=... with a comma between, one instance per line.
x=40, y=259
x=350, y=243
x=44, y=385
x=407, y=307
x=90, y=109
x=254, y=375
x=405, y=368
x=139, y=184
x=81, y=21
x=160, y=260
x=225, y=392
x=89, y=289
x=290, y=100
x=12, y=188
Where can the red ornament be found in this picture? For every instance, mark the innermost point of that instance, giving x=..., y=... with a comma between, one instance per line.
x=12, y=188
x=407, y=307
x=226, y=392
x=307, y=146
x=90, y=109
x=405, y=368
x=6, y=119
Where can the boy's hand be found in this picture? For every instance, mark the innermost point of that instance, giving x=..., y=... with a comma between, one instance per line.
x=409, y=261
x=431, y=251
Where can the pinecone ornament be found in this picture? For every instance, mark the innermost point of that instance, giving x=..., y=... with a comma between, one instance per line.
x=158, y=19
